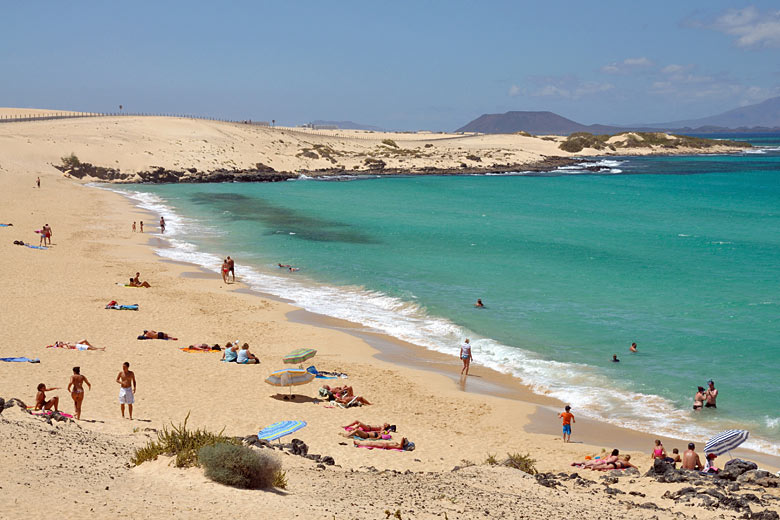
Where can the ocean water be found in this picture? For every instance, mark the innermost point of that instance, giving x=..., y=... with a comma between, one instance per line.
x=572, y=267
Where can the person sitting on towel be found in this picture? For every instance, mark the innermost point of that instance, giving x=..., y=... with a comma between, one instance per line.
x=244, y=357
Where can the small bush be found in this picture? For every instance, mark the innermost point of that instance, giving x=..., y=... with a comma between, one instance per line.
x=179, y=442
x=491, y=459
x=390, y=142
x=239, y=466
x=524, y=133
x=71, y=161
x=428, y=145
x=280, y=480
x=521, y=462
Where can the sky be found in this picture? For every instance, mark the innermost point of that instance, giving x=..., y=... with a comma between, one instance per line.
x=416, y=65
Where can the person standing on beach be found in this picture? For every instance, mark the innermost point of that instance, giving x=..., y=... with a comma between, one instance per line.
x=225, y=270
x=162, y=225
x=231, y=268
x=711, y=395
x=38, y=182
x=567, y=418
x=134, y=226
x=142, y=226
x=127, y=389
x=465, y=355
x=76, y=389
x=48, y=232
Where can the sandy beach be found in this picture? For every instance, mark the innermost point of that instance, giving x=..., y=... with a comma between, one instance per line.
x=83, y=468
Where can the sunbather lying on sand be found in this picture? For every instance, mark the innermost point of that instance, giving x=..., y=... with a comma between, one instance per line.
x=403, y=444
x=366, y=431
x=153, y=334
x=82, y=344
x=591, y=464
x=345, y=395
x=621, y=463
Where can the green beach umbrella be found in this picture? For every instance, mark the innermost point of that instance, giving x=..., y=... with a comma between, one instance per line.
x=299, y=355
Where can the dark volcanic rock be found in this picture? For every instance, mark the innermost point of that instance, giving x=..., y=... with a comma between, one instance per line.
x=758, y=477
x=736, y=467
x=300, y=448
x=763, y=515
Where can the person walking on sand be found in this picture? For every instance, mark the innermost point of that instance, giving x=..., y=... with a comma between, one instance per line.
x=465, y=356
x=162, y=225
x=567, y=418
x=76, y=389
x=142, y=226
x=134, y=226
x=127, y=389
x=711, y=395
x=231, y=268
x=698, y=399
x=40, y=399
x=47, y=233
x=38, y=182
x=632, y=348
x=225, y=270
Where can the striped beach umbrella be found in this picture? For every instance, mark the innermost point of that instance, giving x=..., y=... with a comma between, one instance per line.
x=726, y=441
x=289, y=377
x=299, y=355
x=280, y=429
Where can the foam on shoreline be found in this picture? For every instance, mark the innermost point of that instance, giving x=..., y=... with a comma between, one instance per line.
x=583, y=386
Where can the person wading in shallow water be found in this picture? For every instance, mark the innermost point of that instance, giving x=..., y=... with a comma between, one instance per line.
x=711, y=395
x=465, y=356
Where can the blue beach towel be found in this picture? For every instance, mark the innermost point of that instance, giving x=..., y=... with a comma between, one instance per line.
x=20, y=360
x=279, y=430
x=313, y=370
x=36, y=247
x=133, y=307
x=5, y=225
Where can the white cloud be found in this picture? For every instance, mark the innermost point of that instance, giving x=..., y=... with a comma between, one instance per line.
x=673, y=68
x=514, y=90
x=568, y=87
x=750, y=27
x=627, y=65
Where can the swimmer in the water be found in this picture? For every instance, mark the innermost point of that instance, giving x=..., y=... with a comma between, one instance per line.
x=633, y=347
x=293, y=269
x=285, y=265
x=615, y=359
x=479, y=304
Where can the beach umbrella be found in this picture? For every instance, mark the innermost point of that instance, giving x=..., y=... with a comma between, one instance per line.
x=726, y=441
x=289, y=377
x=279, y=429
x=299, y=355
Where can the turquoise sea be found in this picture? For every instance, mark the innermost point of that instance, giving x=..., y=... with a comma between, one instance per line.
x=683, y=259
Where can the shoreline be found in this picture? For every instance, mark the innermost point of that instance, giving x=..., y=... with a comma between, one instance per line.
x=488, y=382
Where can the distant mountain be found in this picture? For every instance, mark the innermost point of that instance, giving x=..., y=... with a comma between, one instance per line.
x=346, y=125
x=764, y=114
x=534, y=123
x=761, y=117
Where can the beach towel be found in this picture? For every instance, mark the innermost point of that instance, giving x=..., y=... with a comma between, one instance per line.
x=325, y=375
x=36, y=247
x=20, y=360
x=5, y=225
x=188, y=349
x=47, y=412
x=280, y=429
x=115, y=306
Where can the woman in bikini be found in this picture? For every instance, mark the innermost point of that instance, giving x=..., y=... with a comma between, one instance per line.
x=659, y=452
x=698, y=399
x=76, y=389
x=367, y=431
x=621, y=463
x=41, y=403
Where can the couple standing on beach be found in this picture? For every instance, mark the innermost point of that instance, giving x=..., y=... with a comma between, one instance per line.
x=228, y=267
x=127, y=389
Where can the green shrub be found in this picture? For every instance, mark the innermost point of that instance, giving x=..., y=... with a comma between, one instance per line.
x=521, y=462
x=71, y=161
x=390, y=142
x=181, y=443
x=491, y=460
x=239, y=466
x=280, y=480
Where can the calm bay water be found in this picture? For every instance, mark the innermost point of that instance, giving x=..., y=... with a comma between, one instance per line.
x=572, y=268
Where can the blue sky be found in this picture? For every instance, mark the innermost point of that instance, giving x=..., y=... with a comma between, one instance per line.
x=399, y=65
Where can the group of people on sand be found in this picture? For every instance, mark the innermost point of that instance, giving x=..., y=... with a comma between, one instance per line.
x=136, y=282
x=241, y=355
x=127, y=390
x=690, y=460
x=343, y=395
x=46, y=234
x=376, y=436
x=142, y=226
x=141, y=223
x=613, y=461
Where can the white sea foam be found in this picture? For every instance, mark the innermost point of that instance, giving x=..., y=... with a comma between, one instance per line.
x=585, y=387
